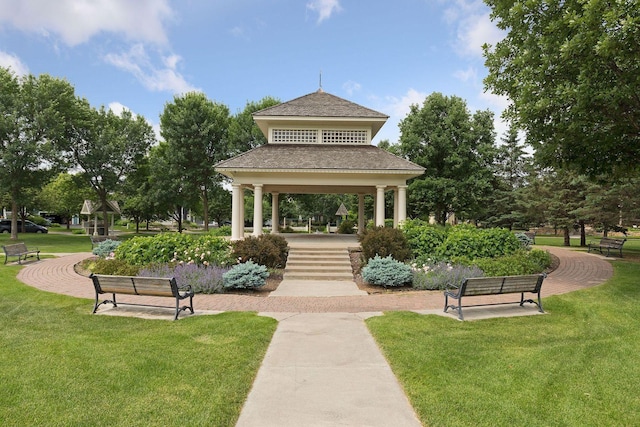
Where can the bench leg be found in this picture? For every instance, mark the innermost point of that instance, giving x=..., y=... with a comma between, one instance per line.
x=539, y=303
x=97, y=304
x=179, y=309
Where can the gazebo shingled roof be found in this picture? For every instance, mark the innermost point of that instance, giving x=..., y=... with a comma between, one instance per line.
x=319, y=157
x=320, y=104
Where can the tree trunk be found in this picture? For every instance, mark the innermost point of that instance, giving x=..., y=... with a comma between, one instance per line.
x=179, y=217
x=583, y=234
x=105, y=217
x=14, y=219
x=567, y=238
x=205, y=208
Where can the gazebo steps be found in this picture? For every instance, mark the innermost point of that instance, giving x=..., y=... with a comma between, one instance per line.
x=318, y=264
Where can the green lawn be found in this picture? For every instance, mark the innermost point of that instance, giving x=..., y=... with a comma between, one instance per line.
x=63, y=366
x=576, y=366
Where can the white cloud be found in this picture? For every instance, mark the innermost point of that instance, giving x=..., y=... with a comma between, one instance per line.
x=164, y=78
x=75, y=22
x=8, y=60
x=350, y=87
x=468, y=75
x=324, y=8
x=474, y=31
x=118, y=108
x=473, y=26
x=400, y=107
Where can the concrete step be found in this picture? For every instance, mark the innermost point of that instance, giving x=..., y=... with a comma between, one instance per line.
x=318, y=269
x=322, y=262
x=303, y=257
x=303, y=275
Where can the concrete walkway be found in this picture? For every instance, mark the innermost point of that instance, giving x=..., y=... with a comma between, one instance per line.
x=322, y=367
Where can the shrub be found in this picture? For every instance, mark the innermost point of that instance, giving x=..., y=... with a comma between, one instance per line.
x=384, y=242
x=175, y=247
x=424, y=239
x=386, y=272
x=113, y=267
x=436, y=276
x=269, y=250
x=77, y=231
x=224, y=230
x=525, y=241
x=247, y=275
x=106, y=248
x=203, y=279
x=471, y=242
x=520, y=262
x=347, y=227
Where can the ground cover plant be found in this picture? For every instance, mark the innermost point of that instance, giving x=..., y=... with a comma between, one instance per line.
x=576, y=366
x=64, y=366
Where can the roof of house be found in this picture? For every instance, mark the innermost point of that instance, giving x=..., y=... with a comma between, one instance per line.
x=317, y=157
x=320, y=104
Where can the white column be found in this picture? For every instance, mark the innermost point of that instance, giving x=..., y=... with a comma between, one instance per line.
x=275, y=218
x=380, y=205
x=257, y=209
x=237, y=207
x=395, y=208
x=361, y=218
x=402, y=204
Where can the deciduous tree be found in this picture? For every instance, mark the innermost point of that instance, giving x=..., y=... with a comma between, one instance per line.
x=456, y=148
x=33, y=116
x=572, y=71
x=195, y=130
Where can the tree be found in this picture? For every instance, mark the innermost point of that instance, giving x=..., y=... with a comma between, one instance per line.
x=33, y=115
x=572, y=71
x=139, y=202
x=510, y=176
x=456, y=149
x=244, y=134
x=167, y=186
x=107, y=147
x=195, y=130
x=64, y=196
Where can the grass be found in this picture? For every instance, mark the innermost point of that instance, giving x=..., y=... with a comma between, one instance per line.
x=64, y=366
x=51, y=242
x=631, y=248
x=577, y=366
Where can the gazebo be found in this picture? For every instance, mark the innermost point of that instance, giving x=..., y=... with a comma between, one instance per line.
x=317, y=144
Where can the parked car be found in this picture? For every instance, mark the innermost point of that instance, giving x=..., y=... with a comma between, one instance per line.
x=29, y=227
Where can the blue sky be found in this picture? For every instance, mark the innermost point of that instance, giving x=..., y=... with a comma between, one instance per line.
x=138, y=54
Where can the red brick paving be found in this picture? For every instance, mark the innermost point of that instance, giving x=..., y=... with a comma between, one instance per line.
x=577, y=270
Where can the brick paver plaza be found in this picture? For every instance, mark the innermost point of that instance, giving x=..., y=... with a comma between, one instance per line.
x=577, y=270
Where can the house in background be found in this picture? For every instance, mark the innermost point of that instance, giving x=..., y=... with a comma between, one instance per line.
x=318, y=144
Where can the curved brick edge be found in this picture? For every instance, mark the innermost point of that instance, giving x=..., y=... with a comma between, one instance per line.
x=577, y=270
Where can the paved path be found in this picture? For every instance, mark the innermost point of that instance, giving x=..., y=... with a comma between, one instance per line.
x=322, y=367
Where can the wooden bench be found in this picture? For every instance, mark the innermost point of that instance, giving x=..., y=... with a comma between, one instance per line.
x=19, y=250
x=495, y=286
x=608, y=244
x=96, y=240
x=144, y=286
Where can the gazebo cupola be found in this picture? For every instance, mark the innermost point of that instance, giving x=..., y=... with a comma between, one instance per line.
x=317, y=144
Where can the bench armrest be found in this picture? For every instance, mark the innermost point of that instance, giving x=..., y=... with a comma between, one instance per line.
x=451, y=287
x=187, y=289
